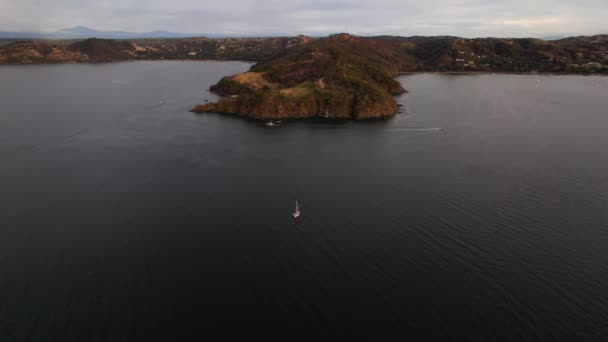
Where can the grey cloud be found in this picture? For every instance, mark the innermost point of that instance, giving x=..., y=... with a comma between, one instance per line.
x=469, y=18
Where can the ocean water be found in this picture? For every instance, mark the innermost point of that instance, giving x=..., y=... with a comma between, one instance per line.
x=480, y=212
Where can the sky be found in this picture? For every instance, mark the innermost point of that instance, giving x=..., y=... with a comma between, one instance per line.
x=465, y=18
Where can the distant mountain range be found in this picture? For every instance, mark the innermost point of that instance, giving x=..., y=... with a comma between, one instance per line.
x=81, y=32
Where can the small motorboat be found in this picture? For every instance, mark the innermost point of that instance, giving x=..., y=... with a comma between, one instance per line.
x=273, y=123
x=296, y=213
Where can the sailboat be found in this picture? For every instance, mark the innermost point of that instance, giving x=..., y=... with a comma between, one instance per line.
x=296, y=212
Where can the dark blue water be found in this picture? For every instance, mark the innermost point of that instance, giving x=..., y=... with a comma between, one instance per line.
x=481, y=213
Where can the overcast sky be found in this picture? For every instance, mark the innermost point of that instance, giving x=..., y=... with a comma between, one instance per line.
x=467, y=18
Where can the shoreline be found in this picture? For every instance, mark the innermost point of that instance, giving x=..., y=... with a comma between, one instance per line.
x=132, y=60
x=401, y=73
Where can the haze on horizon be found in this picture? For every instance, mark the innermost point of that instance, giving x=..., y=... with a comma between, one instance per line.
x=465, y=18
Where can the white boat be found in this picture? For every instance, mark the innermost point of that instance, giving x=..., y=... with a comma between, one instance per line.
x=296, y=212
x=273, y=123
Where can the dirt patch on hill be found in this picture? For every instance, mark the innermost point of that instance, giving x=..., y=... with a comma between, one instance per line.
x=254, y=80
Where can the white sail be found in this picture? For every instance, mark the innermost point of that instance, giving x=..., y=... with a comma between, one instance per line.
x=296, y=212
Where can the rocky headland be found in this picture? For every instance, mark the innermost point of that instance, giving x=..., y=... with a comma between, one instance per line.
x=342, y=76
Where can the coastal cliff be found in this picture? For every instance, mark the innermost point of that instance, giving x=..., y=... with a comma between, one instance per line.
x=341, y=76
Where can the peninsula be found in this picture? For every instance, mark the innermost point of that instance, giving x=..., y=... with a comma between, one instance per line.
x=345, y=76
x=340, y=76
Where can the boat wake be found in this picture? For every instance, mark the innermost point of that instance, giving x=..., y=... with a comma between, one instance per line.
x=432, y=129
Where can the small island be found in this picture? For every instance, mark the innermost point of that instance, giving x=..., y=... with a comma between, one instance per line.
x=342, y=76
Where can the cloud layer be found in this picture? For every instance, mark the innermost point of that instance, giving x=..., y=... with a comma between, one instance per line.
x=467, y=18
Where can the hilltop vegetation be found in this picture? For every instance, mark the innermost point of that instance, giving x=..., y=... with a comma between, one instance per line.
x=106, y=50
x=247, y=49
x=443, y=53
x=103, y=50
x=90, y=50
x=341, y=76
x=580, y=54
